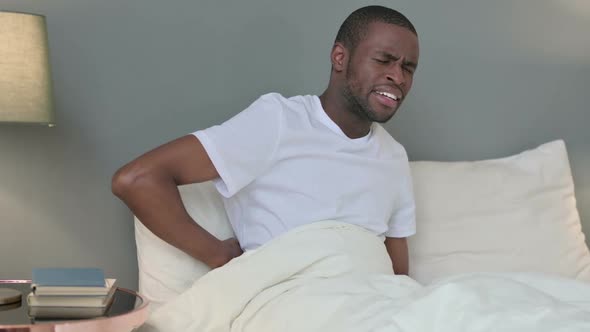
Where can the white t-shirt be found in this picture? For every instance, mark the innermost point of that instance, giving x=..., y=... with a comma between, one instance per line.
x=283, y=163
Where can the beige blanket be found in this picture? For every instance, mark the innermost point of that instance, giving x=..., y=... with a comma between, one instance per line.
x=330, y=276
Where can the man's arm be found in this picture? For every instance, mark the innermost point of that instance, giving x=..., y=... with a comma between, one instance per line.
x=148, y=186
x=397, y=248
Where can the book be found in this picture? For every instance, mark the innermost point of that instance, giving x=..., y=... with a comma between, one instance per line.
x=78, y=277
x=71, y=300
x=74, y=290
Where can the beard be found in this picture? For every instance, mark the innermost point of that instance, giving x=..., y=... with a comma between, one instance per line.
x=358, y=104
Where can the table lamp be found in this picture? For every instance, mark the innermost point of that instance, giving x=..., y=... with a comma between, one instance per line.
x=25, y=78
x=25, y=83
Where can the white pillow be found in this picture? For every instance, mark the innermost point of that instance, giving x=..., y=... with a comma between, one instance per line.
x=165, y=271
x=502, y=215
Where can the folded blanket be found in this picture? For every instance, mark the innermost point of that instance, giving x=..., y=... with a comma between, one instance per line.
x=330, y=276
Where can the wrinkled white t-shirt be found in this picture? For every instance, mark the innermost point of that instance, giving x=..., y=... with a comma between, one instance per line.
x=283, y=163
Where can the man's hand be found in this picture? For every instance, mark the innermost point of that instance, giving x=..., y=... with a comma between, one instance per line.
x=228, y=250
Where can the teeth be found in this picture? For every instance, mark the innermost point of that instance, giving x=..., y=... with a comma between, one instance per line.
x=387, y=94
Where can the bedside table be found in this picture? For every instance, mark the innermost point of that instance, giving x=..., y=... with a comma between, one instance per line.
x=127, y=312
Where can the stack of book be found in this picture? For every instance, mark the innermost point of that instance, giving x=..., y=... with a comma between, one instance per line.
x=70, y=293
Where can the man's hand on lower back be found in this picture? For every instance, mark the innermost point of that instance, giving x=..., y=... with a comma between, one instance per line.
x=228, y=250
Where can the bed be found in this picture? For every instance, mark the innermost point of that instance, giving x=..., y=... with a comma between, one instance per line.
x=499, y=247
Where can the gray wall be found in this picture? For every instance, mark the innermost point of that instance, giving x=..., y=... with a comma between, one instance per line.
x=495, y=77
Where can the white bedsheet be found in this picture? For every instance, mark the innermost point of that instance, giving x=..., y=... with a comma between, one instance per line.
x=330, y=276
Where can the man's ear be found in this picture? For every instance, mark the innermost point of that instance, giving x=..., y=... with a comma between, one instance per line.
x=339, y=56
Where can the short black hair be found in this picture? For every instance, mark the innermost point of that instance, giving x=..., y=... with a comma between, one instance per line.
x=354, y=27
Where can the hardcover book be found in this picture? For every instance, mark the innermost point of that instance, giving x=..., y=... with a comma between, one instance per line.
x=79, y=301
x=78, y=277
x=77, y=290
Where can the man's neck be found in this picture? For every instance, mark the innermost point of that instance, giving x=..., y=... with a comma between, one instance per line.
x=339, y=110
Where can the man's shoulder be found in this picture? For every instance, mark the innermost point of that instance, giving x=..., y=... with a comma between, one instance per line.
x=389, y=141
x=300, y=106
x=298, y=100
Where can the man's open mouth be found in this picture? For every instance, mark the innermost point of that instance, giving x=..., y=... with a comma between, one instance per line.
x=388, y=95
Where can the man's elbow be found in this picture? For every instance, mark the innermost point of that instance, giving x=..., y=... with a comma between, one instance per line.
x=126, y=179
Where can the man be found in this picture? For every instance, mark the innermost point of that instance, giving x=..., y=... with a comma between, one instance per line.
x=285, y=162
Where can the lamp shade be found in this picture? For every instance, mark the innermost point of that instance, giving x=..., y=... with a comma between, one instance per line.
x=26, y=94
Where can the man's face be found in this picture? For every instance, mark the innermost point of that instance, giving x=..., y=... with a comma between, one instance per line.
x=380, y=71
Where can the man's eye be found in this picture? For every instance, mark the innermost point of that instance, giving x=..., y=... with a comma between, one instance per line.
x=382, y=61
x=408, y=70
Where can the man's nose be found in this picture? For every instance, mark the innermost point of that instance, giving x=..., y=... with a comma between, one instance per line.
x=395, y=74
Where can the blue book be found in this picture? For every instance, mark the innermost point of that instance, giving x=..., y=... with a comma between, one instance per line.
x=76, y=277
